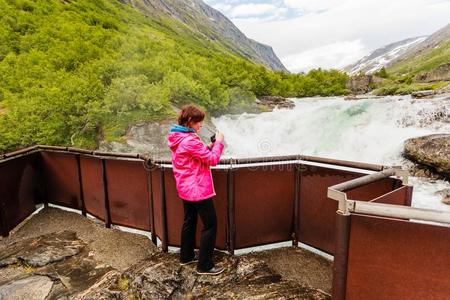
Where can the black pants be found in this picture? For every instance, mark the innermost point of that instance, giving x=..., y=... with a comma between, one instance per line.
x=204, y=208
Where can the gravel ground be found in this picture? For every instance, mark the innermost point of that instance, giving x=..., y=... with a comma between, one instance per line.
x=293, y=263
x=121, y=249
x=116, y=248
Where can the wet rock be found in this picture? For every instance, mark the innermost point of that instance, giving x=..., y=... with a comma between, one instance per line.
x=151, y=139
x=423, y=94
x=445, y=193
x=431, y=151
x=275, y=102
x=41, y=251
x=32, y=287
x=351, y=97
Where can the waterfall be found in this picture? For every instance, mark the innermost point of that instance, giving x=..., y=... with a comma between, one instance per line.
x=370, y=130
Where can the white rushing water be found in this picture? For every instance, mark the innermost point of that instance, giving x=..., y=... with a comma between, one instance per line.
x=367, y=130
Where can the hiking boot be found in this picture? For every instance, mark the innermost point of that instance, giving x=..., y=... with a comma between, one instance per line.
x=193, y=261
x=212, y=271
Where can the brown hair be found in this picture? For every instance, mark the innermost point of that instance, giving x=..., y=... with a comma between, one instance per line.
x=190, y=114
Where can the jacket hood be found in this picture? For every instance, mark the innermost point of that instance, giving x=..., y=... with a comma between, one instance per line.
x=179, y=128
x=177, y=134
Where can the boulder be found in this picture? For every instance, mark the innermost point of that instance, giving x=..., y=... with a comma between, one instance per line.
x=431, y=151
x=445, y=194
x=423, y=94
x=361, y=84
x=42, y=251
x=51, y=266
x=275, y=102
x=34, y=287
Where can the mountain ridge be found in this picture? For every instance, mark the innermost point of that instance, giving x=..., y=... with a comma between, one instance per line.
x=213, y=25
x=408, y=56
x=383, y=56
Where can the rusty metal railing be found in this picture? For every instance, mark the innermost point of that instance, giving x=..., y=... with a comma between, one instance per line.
x=282, y=198
x=349, y=207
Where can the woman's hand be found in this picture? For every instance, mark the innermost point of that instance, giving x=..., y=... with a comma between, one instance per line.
x=219, y=136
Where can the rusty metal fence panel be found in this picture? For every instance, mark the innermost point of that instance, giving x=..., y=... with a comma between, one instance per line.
x=61, y=179
x=128, y=193
x=93, y=189
x=263, y=204
x=174, y=211
x=397, y=259
x=317, y=212
x=20, y=190
x=400, y=196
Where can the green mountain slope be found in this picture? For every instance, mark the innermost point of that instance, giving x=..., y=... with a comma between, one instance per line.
x=426, y=56
x=425, y=62
x=73, y=72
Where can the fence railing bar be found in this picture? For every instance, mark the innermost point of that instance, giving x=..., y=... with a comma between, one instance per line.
x=80, y=185
x=360, y=181
x=165, y=245
x=105, y=195
x=21, y=151
x=343, y=163
x=116, y=154
x=48, y=147
x=397, y=211
x=79, y=150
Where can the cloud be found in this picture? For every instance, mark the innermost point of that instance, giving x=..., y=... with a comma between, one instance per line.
x=250, y=11
x=315, y=26
x=311, y=6
x=335, y=55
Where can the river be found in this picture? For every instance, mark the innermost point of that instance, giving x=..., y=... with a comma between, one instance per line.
x=367, y=130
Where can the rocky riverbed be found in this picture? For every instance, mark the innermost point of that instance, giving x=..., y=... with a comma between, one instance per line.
x=61, y=255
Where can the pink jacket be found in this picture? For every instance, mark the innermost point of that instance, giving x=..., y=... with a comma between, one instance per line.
x=191, y=160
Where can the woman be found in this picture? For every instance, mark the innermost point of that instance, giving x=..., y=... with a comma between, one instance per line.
x=191, y=161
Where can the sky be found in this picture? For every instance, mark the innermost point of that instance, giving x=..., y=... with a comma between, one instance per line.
x=307, y=34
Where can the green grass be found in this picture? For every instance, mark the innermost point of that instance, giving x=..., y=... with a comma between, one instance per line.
x=395, y=88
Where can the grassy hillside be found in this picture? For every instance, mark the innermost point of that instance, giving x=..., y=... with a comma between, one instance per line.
x=425, y=70
x=73, y=72
x=424, y=62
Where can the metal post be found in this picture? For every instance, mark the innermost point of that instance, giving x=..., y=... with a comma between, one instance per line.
x=80, y=184
x=340, y=264
x=296, y=204
x=165, y=246
x=409, y=194
x=231, y=222
x=150, y=199
x=105, y=193
x=3, y=223
x=43, y=181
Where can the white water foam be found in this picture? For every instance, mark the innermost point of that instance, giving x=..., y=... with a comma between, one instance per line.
x=367, y=130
